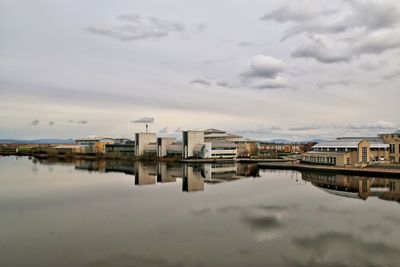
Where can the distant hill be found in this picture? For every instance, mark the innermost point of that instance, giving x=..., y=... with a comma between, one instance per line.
x=37, y=141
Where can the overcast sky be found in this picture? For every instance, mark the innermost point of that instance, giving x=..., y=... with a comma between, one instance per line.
x=264, y=69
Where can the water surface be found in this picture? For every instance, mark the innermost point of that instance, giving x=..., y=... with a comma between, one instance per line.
x=107, y=213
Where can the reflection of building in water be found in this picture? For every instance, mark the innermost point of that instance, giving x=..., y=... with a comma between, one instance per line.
x=167, y=173
x=91, y=165
x=248, y=170
x=355, y=186
x=192, y=180
x=124, y=166
x=146, y=173
x=217, y=173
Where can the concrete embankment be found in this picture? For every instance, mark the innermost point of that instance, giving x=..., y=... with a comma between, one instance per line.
x=207, y=160
x=370, y=171
x=248, y=160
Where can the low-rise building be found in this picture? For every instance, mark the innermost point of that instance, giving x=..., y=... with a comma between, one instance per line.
x=245, y=147
x=267, y=148
x=144, y=142
x=393, y=140
x=215, y=150
x=339, y=153
x=95, y=144
x=190, y=139
x=120, y=150
x=348, y=151
x=68, y=149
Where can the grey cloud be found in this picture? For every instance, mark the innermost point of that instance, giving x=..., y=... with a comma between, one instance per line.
x=371, y=27
x=305, y=128
x=85, y=96
x=201, y=82
x=375, y=125
x=178, y=130
x=199, y=28
x=392, y=75
x=324, y=85
x=35, y=122
x=133, y=27
x=264, y=67
x=144, y=120
x=278, y=83
x=320, y=51
x=245, y=44
x=70, y=121
x=226, y=84
x=52, y=123
x=368, y=66
x=257, y=130
x=368, y=15
x=287, y=13
x=348, y=49
x=375, y=42
x=83, y=122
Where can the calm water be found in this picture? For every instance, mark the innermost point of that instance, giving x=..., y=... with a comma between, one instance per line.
x=101, y=213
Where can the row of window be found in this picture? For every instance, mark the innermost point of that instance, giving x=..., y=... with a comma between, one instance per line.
x=392, y=148
x=223, y=154
x=223, y=148
x=329, y=160
x=331, y=149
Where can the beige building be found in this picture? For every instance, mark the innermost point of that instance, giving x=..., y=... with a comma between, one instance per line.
x=348, y=152
x=393, y=140
x=143, y=141
x=191, y=139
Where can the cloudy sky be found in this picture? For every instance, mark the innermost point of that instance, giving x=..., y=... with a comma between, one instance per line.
x=265, y=69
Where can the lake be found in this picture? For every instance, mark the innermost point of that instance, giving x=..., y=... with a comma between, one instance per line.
x=126, y=213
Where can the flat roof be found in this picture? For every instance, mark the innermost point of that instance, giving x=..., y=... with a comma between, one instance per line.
x=214, y=130
x=374, y=142
x=341, y=143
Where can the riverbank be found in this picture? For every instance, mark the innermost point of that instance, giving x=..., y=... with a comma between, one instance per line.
x=368, y=171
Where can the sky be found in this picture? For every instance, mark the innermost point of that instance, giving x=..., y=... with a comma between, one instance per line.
x=298, y=70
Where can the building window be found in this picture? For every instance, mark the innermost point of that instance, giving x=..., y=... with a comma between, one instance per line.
x=364, y=155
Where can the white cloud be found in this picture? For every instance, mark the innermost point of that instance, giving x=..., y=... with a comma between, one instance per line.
x=264, y=67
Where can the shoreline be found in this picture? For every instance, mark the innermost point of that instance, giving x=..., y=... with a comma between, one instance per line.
x=367, y=171
x=276, y=164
